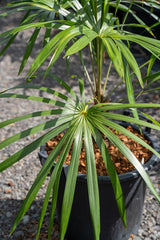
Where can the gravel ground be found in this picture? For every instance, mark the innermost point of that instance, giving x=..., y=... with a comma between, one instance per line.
x=17, y=180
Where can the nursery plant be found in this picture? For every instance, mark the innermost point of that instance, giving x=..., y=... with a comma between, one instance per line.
x=97, y=27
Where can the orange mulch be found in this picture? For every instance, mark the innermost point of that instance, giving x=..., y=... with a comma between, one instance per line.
x=121, y=163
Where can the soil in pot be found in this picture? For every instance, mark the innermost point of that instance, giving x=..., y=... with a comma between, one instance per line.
x=121, y=163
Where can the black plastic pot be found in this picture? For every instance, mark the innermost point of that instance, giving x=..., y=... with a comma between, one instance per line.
x=80, y=225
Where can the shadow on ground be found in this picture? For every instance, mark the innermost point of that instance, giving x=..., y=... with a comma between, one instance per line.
x=28, y=226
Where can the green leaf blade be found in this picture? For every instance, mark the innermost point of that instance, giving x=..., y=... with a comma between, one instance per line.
x=92, y=183
x=32, y=115
x=29, y=48
x=45, y=89
x=70, y=184
x=33, y=98
x=40, y=127
x=54, y=179
x=130, y=156
x=82, y=42
x=130, y=60
x=31, y=147
x=38, y=183
x=112, y=174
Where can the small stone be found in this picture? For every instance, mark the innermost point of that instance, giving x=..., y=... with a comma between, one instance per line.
x=10, y=183
x=25, y=219
x=145, y=233
x=8, y=191
x=153, y=237
x=151, y=222
x=158, y=217
x=117, y=164
x=158, y=236
x=32, y=207
x=131, y=237
x=8, y=214
x=136, y=238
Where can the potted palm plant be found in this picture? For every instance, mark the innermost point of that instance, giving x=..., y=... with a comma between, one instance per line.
x=93, y=26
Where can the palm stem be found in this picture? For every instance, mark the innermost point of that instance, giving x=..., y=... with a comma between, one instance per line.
x=93, y=67
x=106, y=79
x=99, y=67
